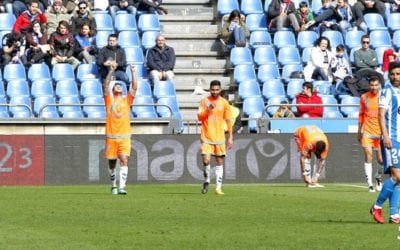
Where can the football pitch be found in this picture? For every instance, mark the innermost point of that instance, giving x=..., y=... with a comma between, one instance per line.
x=171, y=216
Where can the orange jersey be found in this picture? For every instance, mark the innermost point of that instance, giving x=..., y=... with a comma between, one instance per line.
x=213, y=121
x=118, y=124
x=307, y=137
x=368, y=115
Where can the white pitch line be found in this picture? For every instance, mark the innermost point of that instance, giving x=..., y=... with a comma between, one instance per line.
x=349, y=185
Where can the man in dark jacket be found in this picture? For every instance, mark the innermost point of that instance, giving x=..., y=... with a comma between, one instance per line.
x=81, y=16
x=151, y=6
x=161, y=61
x=282, y=13
x=126, y=5
x=308, y=96
x=112, y=54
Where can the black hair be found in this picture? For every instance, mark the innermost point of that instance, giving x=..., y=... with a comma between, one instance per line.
x=234, y=13
x=308, y=85
x=113, y=35
x=340, y=47
x=319, y=40
x=319, y=148
x=303, y=4
x=393, y=65
x=215, y=83
x=374, y=78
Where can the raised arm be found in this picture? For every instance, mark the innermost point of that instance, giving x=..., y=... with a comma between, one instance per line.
x=133, y=87
x=106, y=83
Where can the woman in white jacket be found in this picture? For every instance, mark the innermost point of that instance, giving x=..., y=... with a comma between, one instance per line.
x=321, y=57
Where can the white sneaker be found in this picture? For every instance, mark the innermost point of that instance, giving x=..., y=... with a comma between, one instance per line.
x=371, y=189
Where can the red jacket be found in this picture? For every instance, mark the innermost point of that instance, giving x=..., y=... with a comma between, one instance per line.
x=310, y=111
x=24, y=21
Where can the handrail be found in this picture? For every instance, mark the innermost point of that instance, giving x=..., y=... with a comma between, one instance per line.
x=18, y=105
x=304, y=104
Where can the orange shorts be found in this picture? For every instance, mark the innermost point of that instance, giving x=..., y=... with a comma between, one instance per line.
x=368, y=142
x=212, y=149
x=116, y=147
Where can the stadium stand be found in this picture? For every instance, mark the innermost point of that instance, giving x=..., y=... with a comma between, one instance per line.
x=125, y=22
x=143, y=107
x=264, y=55
x=256, y=22
x=42, y=87
x=267, y=72
x=244, y=72
x=39, y=71
x=148, y=22
x=240, y=55
x=374, y=21
x=44, y=106
x=67, y=87
x=128, y=38
x=225, y=7
x=260, y=39
x=251, y=7
x=273, y=88
x=394, y=22
x=62, y=71
x=249, y=88
x=284, y=38
x=306, y=39
x=380, y=38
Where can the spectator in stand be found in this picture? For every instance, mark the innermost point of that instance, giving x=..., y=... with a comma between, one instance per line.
x=235, y=31
x=340, y=65
x=14, y=49
x=114, y=55
x=71, y=5
x=56, y=13
x=38, y=48
x=282, y=14
x=327, y=18
x=153, y=6
x=308, y=96
x=304, y=15
x=81, y=16
x=126, y=5
x=62, y=44
x=319, y=65
x=86, y=44
x=284, y=111
x=24, y=21
x=161, y=61
x=345, y=11
x=365, y=58
x=389, y=56
x=19, y=6
x=362, y=7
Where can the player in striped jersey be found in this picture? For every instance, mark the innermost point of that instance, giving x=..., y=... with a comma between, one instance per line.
x=389, y=122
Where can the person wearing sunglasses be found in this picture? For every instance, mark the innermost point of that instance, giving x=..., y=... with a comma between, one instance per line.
x=81, y=16
x=365, y=58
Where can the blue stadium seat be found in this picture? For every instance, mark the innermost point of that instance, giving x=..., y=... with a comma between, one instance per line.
x=44, y=106
x=103, y=22
x=284, y=38
x=102, y=38
x=39, y=71
x=17, y=88
x=7, y=21
x=66, y=87
x=251, y=7
x=69, y=107
x=42, y=88
x=94, y=107
x=148, y=22
x=91, y=88
x=273, y=88
x=379, y=53
x=3, y=108
x=374, y=21
x=335, y=38
x=266, y=4
x=329, y=99
x=380, y=38
x=149, y=39
x=240, y=55
x=306, y=39
x=63, y=71
x=350, y=100
x=141, y=71
x=2, y=89
x=87, y=72
x=256, y=22
x=297, y=3
x=134, y=55
x=288, y=69
x=332, y=114
x=124, y=22
x=271, y=108
x=289, y=55
x=14, y=72
x=267, y=72
x=225, y=7
x=305, y=55
x=244, y=72
x=394, y=22
x=249, y=88
x=252, y=105
x=143, y=107
x=260, y=38
x=264, y=55
x=353, y=39
x=128, y=38
x=396, y=39
x=315, y=6
x=144, y=88
x=164, y=89
x=22, y=108
x=294, y=86
x=322, y=87
x=163, y=111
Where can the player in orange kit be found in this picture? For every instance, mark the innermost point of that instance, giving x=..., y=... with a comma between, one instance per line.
x=214, y=112
x=118, y=128
x=310, y=139
x=369, y=132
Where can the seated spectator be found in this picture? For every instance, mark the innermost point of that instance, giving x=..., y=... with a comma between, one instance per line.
x=365, y=58
x=14, y=45
x=327, y=18
x=56, y=13
x=24, y=21
x=72, y=5
x=235, y=31
x=284, y=111
x=20, y=6
x=38, y=48
x=81, y=16
x=153, y=6
x=389, y=56
x=282, y=14
x=126, y=5
x=362, y=7
x=308, y=96
x=86, y=44
x=161, y=61
x=62, y=45
x=319, y=65
x=340, y=65
x=304, y=15
x=345, y=11
x=112, y=54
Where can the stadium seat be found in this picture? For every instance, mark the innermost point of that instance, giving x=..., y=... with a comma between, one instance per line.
x=260, y=38
x=330, y=100
x=396, y=39
x=316, y=6
x=353, y=39
x=148, y=22
x=294, y=86
x=149, y=39
x=17, y=87
x=42, y=88
x=94, y=107
x=240, y=55
x=44, y=106
x=394, y=22
x=284, y=38
x=349, y=100
x=297, y=3
x=141, y=71
x=91, y=88
x=306, y=39
x=267, y=72
x=322, y=87
x=102, y=38
x=244, y=72
x=332, y=114
x=266, y=4
x=87, y=72
x=251, y=7
x=288, y=69
x=143, y=107
x=256, y=22
x=164, y=111
x=225, y=7
x=125, y=22
x=104, y=22
x=264, y=55
x=3, y=108
x=272, y=105
x=143, y=88
x=7, y=21
x=128, y=38
x=252, y=105
x=134, y=55
x=2, y=89
x=14, y=72
x=273, y=88
x=289, y=55
x=63, y=71
x=380, y=38
x=249, y=88
x=69, y=107
x=66, y=87
x=164, y=89
x=335, y=38
x=39, y=71
x=305, y=55
x=379, y=53
x=374, y=21
x=20, y=106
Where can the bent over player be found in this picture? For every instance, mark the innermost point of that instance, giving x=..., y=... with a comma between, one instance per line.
x=118, y=128
x=310, y=139
x=214, y=112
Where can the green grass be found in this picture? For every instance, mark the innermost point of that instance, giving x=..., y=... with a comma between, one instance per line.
x=284, y=216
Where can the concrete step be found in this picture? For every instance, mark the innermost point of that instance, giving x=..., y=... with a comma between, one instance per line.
x=199, y=62
x=200, y=71
x=187, y=13
x=195, y=45
x=189, y=114
x=199, y=31
x=189, y=82
x=187, y=2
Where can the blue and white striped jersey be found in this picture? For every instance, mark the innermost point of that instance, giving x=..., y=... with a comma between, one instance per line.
x=390, y=100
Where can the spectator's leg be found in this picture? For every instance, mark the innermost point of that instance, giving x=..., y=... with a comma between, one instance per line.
x=113, y=11
x=131, y=10
x=381, y=9
x=155, y=76
x=358, y=10
x=280, y=22
x=294, y=22
x=6, y=59
x=239, y=36
x=169, y=75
